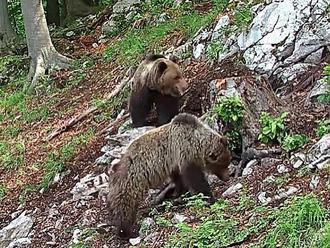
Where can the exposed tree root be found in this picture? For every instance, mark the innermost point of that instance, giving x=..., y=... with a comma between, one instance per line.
x=43, y=62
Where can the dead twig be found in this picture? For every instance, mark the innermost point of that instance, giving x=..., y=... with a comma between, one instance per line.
x=115, y=124
x=74, y=120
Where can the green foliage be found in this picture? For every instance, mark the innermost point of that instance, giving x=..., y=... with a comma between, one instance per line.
x=323, y=128
x=230, y=109
x=296, y=224
x=16, y=16
x=163, y=222
x=243, y=16
x=214, y=229
x=220, y=5
x=325, y=98
x=234, y=138
x=3, y=191
x=293, y=142
x=11, y=154
x=282, y=180
x=272, y=128
x=198, y=201
x=135, y=42
x=213, y=49
x=55, y=162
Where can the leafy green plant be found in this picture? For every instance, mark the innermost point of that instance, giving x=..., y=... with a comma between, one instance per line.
x=323, y=128
x=272, y=128
x=296, y=224
x=213, y=49
x=230, y=109
x=293, y=142
x=325, y=97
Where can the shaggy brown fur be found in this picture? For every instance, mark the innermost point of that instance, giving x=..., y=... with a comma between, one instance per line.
x=157, y=80
x=182, y=146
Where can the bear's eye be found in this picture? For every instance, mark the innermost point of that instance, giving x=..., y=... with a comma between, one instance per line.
x=213, y=156
x=177, y=78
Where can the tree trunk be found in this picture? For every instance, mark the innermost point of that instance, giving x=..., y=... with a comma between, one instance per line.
x=42, y=52
x=7, y=34
x=53, y=12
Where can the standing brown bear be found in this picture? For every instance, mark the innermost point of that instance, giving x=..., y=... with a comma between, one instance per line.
x=184, y=146
x=158, y=81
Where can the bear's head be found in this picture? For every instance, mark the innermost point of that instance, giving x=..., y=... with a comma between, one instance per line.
x=217, y=156
x=166, y=77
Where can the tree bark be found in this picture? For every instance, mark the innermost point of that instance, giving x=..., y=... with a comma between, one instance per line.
x=7, y=34
x=42, y=52
x=53, y=12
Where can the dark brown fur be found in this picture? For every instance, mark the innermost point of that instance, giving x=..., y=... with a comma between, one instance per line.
x=157, y=80
x=185, y=146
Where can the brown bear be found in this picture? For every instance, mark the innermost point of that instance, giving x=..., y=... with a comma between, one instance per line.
x=158, y=81
x=184, y=146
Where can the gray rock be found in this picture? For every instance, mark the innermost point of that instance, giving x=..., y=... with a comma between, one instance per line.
x=233, y=189
x=135, y=241
x=18, y=229
x=321, y=87
x=118, y=143
x=76, y=235
x=88, y=185
x=199, y=51
x=222, y=23
x=297, y=160
x=179, y=218
x=286, y=193
x=22, y=242
x=249, y=168
x=314, y=182
x=319, y=154
x=125, y=8
x=283, y=39
x=281, y=168
x=146, y=226
x=263, y=198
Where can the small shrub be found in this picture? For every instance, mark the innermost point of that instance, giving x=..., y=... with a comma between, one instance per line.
x=325, y=98
x=272, y=128
x=230, y=109
x=323, y=128
x=293, y=142
x=213, y=49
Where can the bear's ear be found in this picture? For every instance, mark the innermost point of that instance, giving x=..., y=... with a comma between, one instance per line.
x=174, y=59
x=162, y=66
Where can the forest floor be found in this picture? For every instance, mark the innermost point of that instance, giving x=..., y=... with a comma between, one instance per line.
x=29, y=162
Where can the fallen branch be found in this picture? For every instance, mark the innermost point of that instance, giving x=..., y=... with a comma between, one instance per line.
x=101, y=18
x=115, y=124
x=74, y=120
